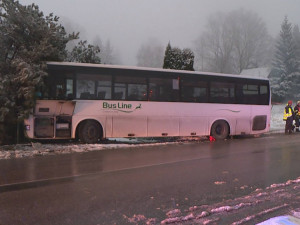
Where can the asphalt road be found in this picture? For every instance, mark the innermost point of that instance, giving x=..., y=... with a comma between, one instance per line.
x=125, y=186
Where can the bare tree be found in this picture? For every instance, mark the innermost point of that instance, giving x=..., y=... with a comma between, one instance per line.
x=251, y=40
x=107, y=53
x=151, y=54
x=216, y=45
x=233, y=42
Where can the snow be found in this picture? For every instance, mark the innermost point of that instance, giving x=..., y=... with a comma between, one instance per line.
x=271, y=199
x=262, y=72
x=38, y=149
x=173, y=213
x=220, y=182
x=277, y=123
x=178, y=219
x=281, y=220
x=249, y=218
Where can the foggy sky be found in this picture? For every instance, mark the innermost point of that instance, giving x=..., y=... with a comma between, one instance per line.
x=130, y=23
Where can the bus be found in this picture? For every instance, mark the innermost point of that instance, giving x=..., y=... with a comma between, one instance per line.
x=92, y=102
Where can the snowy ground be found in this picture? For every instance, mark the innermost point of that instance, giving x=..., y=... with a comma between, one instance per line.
x=38, y=149
x=249, y=209
x=277, y=123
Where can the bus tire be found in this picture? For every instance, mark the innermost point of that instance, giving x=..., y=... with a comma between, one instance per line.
x=220, y=130
x=89, y=132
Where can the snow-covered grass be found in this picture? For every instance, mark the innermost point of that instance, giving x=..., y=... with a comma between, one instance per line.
x=38, y=149
x=277, y=123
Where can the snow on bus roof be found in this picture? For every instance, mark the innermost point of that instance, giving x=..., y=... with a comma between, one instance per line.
x=92, y=65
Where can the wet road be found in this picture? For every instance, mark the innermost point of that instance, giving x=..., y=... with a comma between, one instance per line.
x=111, y=186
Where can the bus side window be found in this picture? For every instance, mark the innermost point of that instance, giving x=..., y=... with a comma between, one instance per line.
x=69, y=91
x=85, y=89
x=251, y=94
x=163, y=89
x=130, y=88
x=193, y=91
x=120, y=91
x=137, y=92
x=104, y=87
x=239, y=94
x=60, y=93
x=222, y=93
x=263, y=95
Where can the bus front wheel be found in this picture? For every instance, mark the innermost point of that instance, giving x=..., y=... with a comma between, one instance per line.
x=89, y=132
x=220, y=130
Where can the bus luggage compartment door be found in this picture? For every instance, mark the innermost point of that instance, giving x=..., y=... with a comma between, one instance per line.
x=44, y=127
x=129, y=126
x=63, y=126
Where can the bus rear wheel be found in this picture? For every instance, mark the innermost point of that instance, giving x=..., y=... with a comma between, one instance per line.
x=89, y=132
x=220, y=130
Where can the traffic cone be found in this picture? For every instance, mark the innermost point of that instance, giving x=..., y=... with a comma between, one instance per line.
x=211, y=139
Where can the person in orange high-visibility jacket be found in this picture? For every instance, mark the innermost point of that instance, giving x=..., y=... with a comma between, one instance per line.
x=288, y=117
x=297, y=116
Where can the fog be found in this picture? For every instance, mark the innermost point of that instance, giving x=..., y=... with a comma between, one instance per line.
x=127, y=24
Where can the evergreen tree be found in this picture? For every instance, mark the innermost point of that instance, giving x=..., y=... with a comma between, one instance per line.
x=286, y=65
x=167, y=58
x=175, y=59
x=84, y=54
x=178, y=59
x=27, y=40
x=188, y=59
x=296, y=37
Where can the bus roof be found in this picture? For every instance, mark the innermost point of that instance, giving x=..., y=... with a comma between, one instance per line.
x=107, y=66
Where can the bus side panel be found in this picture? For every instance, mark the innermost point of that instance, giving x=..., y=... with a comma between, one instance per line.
x=264, y=110
x=242, y=119
x=163, y=126
x=108, y=127
x=237, y=117
x=190, y=126
x=54, y=107
x=129, y=126
x=243, y=125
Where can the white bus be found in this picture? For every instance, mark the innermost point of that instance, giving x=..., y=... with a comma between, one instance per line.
x=91, y=102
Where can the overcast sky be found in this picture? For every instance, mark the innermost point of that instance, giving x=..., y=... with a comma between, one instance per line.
x=130, y=23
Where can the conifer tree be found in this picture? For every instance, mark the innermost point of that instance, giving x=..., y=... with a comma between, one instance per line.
x=178, y=59
x=84, y=54
x=188, y=59
x=167, y=58
x=296, y=37
x=285, y=80
x=27, y=40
